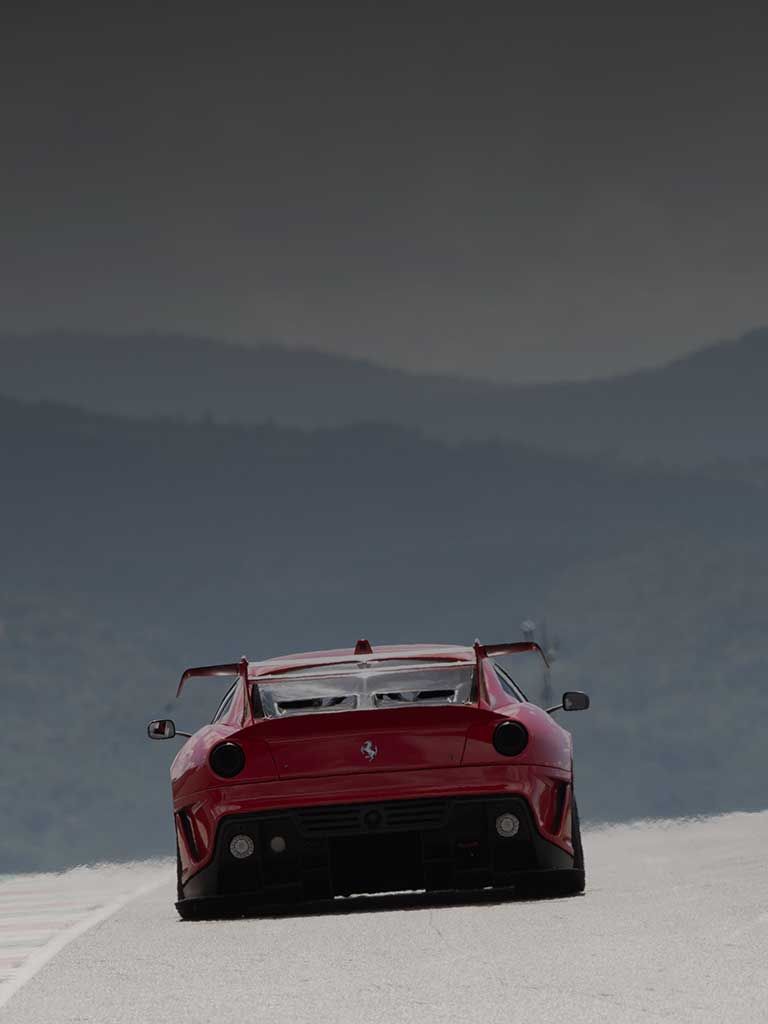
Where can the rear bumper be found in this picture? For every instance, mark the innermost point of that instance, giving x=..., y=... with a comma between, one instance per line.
x=308, y=854
x=199, y=815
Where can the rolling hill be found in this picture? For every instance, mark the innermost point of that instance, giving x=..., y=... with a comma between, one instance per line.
x=705, y=408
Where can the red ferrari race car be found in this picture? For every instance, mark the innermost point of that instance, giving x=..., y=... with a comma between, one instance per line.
x=388, y=769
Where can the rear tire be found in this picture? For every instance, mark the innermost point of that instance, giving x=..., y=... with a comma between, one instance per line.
x=189, y=912
x=179, y=890
x=186, y=911
x=569, y=882
x=578, y=849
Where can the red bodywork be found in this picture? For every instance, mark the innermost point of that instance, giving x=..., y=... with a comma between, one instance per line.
x=430, y=751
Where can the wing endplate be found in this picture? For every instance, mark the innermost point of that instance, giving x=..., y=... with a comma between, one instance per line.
x=518, y=647
x=235, y=668
x=483, y=651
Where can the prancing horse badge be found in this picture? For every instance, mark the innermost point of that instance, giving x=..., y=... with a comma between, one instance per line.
x=369, y=750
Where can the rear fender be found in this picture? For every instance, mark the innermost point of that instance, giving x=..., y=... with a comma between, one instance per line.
x=191, y=772
x=548, y=744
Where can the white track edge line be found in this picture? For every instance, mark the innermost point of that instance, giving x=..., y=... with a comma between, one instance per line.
x=36, y=961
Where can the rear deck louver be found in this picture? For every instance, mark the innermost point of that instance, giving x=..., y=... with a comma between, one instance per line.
x=415, y=697
x=314, y=704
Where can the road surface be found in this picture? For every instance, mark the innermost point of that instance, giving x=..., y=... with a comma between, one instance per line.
x=673, y=927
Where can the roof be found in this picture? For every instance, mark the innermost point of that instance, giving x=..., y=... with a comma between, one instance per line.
x=384, y=652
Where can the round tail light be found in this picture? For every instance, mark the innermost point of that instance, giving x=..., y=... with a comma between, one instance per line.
x=227, y=760
x=510, y=738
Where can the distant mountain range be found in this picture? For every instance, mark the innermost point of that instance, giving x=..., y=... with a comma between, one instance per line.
x=704, y=408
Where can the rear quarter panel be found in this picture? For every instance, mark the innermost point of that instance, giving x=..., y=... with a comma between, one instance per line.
x=549, y=744
x=191, y=772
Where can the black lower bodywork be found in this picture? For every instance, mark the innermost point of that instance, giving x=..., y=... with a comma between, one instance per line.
x=314, y=854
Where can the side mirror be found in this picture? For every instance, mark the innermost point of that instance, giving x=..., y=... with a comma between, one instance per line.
x=574, y=700
x=161, y=729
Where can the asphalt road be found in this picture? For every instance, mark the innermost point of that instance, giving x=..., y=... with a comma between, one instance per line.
x=673, y=927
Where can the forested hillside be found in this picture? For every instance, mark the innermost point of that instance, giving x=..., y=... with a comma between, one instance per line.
x=132, y=548
x=702, y=409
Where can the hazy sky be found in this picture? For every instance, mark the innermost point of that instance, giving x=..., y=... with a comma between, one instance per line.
x=438, y=186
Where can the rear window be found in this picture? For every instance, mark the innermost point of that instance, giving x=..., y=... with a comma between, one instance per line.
x=355, y=687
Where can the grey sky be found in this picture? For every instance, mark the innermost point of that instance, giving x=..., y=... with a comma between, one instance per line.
x=451, y=187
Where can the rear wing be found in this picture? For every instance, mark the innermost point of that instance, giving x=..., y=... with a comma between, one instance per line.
x=240, y=668
x=235, y=668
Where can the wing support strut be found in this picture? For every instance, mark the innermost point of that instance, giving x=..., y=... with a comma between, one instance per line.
x=483, y=651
